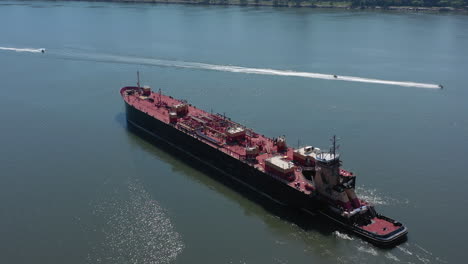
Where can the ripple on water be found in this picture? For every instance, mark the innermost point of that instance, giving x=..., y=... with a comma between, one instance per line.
x=136, y=231
x=392, y=257
x=342, y=235
x=375, y=197
x=368, y=249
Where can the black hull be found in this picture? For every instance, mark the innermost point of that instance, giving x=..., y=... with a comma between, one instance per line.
x=389, y=240
x=230, y=168
x=224, y=164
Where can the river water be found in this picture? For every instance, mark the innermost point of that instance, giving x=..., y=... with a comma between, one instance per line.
x=77, y=187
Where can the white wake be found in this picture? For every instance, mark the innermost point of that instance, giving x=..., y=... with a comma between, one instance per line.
x=342, y=235
x=22, y=50
x=247, y=70
x=224, y=68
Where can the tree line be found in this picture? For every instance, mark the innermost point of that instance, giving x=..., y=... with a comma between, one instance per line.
x=416, y=3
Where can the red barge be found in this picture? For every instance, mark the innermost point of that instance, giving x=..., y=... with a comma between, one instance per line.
x=307, y=178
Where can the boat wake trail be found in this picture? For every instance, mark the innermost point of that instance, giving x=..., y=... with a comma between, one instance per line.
x=342, y=235
x=22, y=50
x=406, y=253
x=377, y=198
x=245, y=70
x=109, y=58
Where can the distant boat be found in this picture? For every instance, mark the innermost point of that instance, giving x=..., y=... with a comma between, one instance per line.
x=441, y=86
x=335, y=76
x=42, y=50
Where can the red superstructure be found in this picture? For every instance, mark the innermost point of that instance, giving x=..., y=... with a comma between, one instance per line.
x=307, y=177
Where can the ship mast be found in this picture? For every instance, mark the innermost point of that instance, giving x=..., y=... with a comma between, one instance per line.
x=334, y=146
x=160, y=99
x=138, y=80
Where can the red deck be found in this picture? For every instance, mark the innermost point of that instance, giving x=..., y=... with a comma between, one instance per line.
x=212, y=128
x=380, y=226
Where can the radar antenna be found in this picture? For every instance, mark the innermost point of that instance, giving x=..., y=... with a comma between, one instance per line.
x=335, y=147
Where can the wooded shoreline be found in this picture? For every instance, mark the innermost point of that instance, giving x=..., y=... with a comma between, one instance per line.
x=407, y=5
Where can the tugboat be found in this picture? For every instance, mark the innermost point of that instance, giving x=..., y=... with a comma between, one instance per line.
x=307, y=178
x=335, y=187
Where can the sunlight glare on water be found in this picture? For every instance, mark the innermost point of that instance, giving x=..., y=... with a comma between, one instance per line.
x=137, y=231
